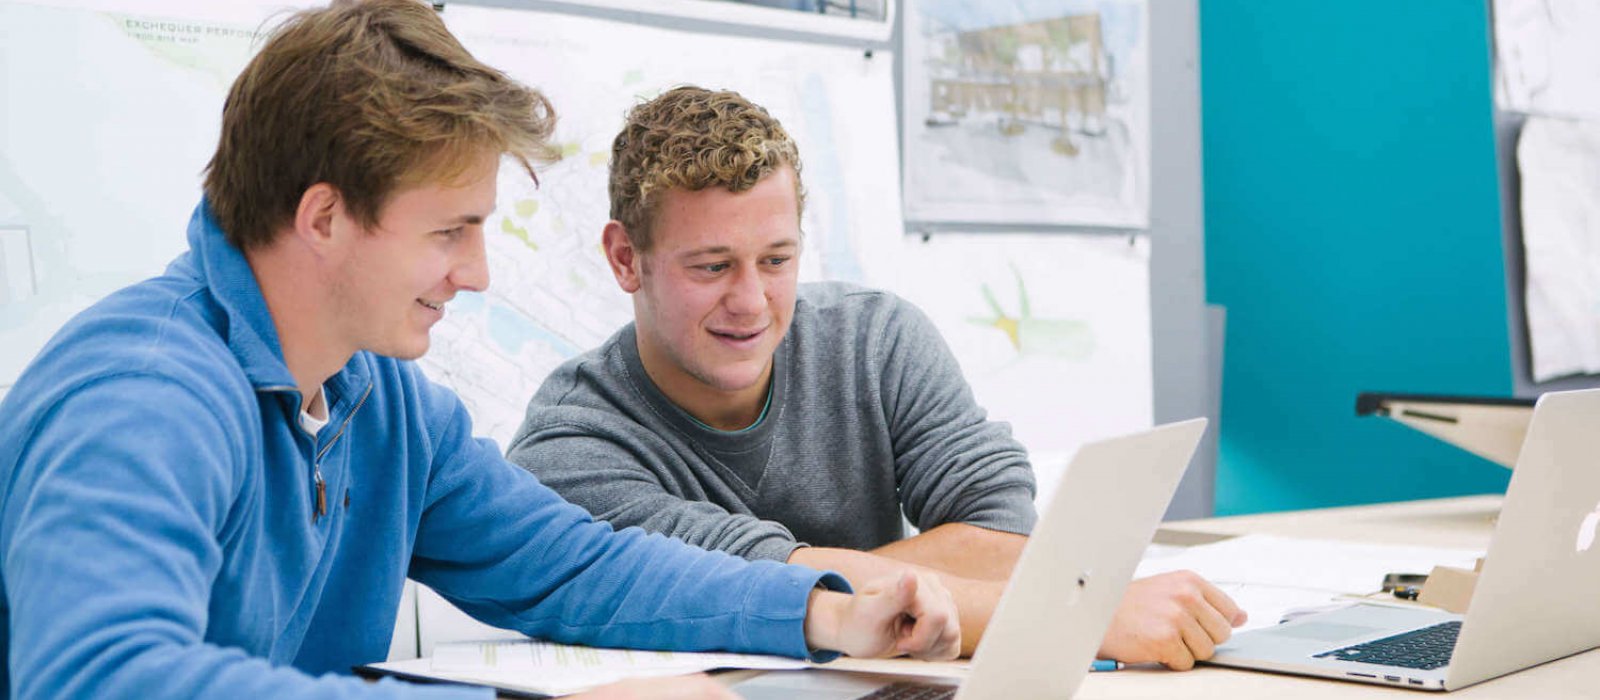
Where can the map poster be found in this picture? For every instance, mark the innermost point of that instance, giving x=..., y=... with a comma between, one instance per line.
x=552, y=294
x=111, y=108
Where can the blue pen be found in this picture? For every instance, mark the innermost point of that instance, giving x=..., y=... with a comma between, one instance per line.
x=1105, y=665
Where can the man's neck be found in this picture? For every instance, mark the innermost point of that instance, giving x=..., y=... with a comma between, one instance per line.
x=728, y=412
x=296, y=301
x=722, y=410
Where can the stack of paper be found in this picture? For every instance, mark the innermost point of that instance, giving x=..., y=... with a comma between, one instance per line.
x=1269, y=575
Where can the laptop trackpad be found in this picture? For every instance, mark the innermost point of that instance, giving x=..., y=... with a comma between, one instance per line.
x=810, y=683
x=1323, y=631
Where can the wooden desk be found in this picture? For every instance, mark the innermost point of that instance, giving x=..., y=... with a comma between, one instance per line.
x=1455, y=522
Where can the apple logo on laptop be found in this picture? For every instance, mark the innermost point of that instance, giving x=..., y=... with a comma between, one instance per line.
x=1586, y=530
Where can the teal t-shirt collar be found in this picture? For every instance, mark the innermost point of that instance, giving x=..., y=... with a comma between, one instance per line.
x=746, y=429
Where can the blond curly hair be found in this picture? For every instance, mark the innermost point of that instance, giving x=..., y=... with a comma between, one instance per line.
x=693, y=138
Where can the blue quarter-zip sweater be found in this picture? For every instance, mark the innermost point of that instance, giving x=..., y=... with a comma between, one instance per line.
x=159, y=535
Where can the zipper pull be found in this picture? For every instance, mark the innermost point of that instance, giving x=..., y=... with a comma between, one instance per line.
x=322, y=497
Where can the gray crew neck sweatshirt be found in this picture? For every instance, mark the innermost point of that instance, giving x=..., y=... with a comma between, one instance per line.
x=868, y=415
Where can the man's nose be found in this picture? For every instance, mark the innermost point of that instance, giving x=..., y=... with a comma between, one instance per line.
x=748, y=293
x=471, y=272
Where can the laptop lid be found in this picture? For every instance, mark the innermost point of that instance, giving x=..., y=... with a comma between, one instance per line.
x=1534, y=600
x=1072, y=573
x=1067, y=583
x=1531, y=601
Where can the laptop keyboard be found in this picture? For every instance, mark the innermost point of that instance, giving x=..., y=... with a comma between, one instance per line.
x=912, y=691
x=1426, y=649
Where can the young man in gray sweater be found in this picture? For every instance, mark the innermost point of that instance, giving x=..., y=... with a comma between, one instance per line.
x=744, y=412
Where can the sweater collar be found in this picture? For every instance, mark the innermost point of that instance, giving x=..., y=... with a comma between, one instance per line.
x=223, y=269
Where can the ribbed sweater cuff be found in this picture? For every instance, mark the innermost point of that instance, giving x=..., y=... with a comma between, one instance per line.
x=777, y=623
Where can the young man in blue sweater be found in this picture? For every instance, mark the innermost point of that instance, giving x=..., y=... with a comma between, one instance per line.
x=214, y=483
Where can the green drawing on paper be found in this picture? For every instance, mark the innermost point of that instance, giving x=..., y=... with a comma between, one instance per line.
x=1063, y=338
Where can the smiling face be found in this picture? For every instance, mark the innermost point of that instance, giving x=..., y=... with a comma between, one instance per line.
x=394, y=279
x=714, y=294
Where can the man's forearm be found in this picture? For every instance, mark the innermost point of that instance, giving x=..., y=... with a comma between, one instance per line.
x=975, y=600
x=964, y=550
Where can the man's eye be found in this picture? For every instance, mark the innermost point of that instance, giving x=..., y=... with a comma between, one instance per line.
x=777, y=260
x=714, y=267
x=452, y=232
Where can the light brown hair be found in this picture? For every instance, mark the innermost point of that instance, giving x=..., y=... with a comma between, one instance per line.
x=693, y=138
x=369, y=96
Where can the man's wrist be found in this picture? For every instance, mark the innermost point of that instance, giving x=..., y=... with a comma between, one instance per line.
x=824, y=616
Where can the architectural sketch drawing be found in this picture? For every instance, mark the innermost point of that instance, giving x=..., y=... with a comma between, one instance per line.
x=1048, y=74
x=1027, y=112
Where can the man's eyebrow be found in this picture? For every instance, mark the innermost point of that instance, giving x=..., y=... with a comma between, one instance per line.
x=469, y=219
x=708, y=250
x=722, y=249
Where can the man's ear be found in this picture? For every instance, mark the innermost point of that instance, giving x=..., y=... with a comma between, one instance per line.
x=319, y=214
x=626, y=262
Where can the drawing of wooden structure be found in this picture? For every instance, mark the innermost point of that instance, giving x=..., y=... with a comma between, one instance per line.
x=1043, y=72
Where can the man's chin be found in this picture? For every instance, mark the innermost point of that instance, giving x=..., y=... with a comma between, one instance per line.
x=737, y=382
x=405, y=352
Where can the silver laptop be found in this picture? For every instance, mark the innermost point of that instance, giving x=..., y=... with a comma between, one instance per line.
x=1534, y=600
x=1066, y=585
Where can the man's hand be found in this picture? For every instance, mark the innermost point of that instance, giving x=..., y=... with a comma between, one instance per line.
x=1175, y=619
x=910, y=613
x=696, y=687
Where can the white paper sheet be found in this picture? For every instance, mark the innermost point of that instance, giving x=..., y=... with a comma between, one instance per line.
x=1546, y=58
x=1560, y=167
x=557, y=669
x=1289, y=562
x=1269, y=576
x=1052, y=331
x=1266, y=605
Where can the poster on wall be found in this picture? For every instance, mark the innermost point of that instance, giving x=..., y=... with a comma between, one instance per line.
x=1052, y=331
x=1559, y=160
x=1546, y=58
x=1027, y=111
x=83, y=216
x=109, y=111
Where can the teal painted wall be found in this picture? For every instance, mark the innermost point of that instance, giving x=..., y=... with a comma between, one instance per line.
x=1352, y=232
